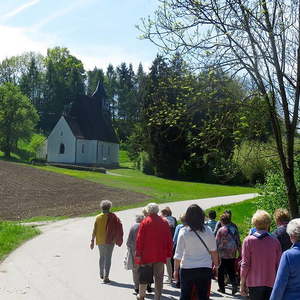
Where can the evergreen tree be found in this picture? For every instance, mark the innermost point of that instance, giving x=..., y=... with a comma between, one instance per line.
x=93, y=78
x=110, y=82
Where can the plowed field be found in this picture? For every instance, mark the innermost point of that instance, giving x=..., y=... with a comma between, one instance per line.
x=26, y=192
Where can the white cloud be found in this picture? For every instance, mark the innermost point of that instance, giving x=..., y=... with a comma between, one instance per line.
x=19, y=9
x=16, y=40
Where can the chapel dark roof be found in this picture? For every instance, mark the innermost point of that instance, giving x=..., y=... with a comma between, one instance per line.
x=88, y=118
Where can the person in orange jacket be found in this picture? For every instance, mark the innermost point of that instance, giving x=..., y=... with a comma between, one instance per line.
x=108, y=231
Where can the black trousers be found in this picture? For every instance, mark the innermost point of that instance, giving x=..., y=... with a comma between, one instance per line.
x=260, y=292
x=198, y=277
x=226, y=266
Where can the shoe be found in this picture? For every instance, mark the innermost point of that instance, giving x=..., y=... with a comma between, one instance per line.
x=106, y=280
x=221, y=291
x=101, y=276
x=177, y=284
x=234, y=290
x=169, y=281
x=149, y=289
x=136, y=291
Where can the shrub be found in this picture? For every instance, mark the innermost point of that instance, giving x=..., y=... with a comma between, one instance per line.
x=255, y=159
x=273, y=193
x=144, y=164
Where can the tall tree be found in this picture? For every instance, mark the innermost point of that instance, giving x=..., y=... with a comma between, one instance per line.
x=126, y=100
x=9, y=70
x=165, y=119
x=110, y=81
x=93, y=77
x=65, y=77
x=32, y=79
x=256, y=38
x=18, y=117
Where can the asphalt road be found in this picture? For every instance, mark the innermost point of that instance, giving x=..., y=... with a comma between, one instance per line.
x=58, y=264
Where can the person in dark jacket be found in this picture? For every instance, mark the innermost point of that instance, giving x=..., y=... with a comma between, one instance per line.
x=287, y=282
x=166, y=214
x=282, y=218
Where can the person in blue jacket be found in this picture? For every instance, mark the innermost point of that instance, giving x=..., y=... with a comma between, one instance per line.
x=287, y=282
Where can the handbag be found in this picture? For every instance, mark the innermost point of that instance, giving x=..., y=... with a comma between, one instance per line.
x=145, y=274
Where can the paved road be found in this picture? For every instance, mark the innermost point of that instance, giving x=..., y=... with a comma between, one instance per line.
x=58, y=264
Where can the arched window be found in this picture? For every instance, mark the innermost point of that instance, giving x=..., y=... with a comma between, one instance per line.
x=61, y=149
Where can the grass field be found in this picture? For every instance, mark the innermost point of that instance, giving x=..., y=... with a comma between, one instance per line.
x=12, y=235
x=160, y=189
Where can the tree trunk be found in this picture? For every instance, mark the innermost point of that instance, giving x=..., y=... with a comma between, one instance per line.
x=7, y=147
x=291, y=193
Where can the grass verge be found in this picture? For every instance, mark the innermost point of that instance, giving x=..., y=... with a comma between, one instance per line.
x=12, y=235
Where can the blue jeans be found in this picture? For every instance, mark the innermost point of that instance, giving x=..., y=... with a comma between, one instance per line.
x=105, y=252
x=198, y=277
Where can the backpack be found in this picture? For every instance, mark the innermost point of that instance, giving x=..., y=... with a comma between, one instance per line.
x=231, y=238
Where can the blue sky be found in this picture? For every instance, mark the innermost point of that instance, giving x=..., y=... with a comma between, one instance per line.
x=98, y=32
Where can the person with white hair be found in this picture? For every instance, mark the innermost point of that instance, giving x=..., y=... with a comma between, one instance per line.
x=107, y=231
x=153, y=247
x=287, y=282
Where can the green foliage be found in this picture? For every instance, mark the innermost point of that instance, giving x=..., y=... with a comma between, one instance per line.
x=124, y=160
x=144, y=164
x=273, y=193
x=64, y=79
x=93, y=77
x=27, y=149
x=255, y=159
x=18, y=117
x=12, y=235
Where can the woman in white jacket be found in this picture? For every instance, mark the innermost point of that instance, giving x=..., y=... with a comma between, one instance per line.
x=195, y=252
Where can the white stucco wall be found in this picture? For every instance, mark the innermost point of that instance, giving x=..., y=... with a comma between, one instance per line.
x=86, y=151
x=108, y=153
x=61, y=134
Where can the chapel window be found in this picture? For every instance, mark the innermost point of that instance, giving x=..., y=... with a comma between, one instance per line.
x=61, y=149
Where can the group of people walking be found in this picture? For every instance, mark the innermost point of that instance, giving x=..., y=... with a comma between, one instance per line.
x=265, y=266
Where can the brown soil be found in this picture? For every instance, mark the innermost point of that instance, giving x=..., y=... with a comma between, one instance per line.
x=27, y=192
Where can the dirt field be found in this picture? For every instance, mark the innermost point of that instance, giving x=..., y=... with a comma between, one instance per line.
x=27, y=192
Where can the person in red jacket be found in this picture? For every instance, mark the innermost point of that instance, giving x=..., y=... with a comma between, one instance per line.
x=153, y=247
